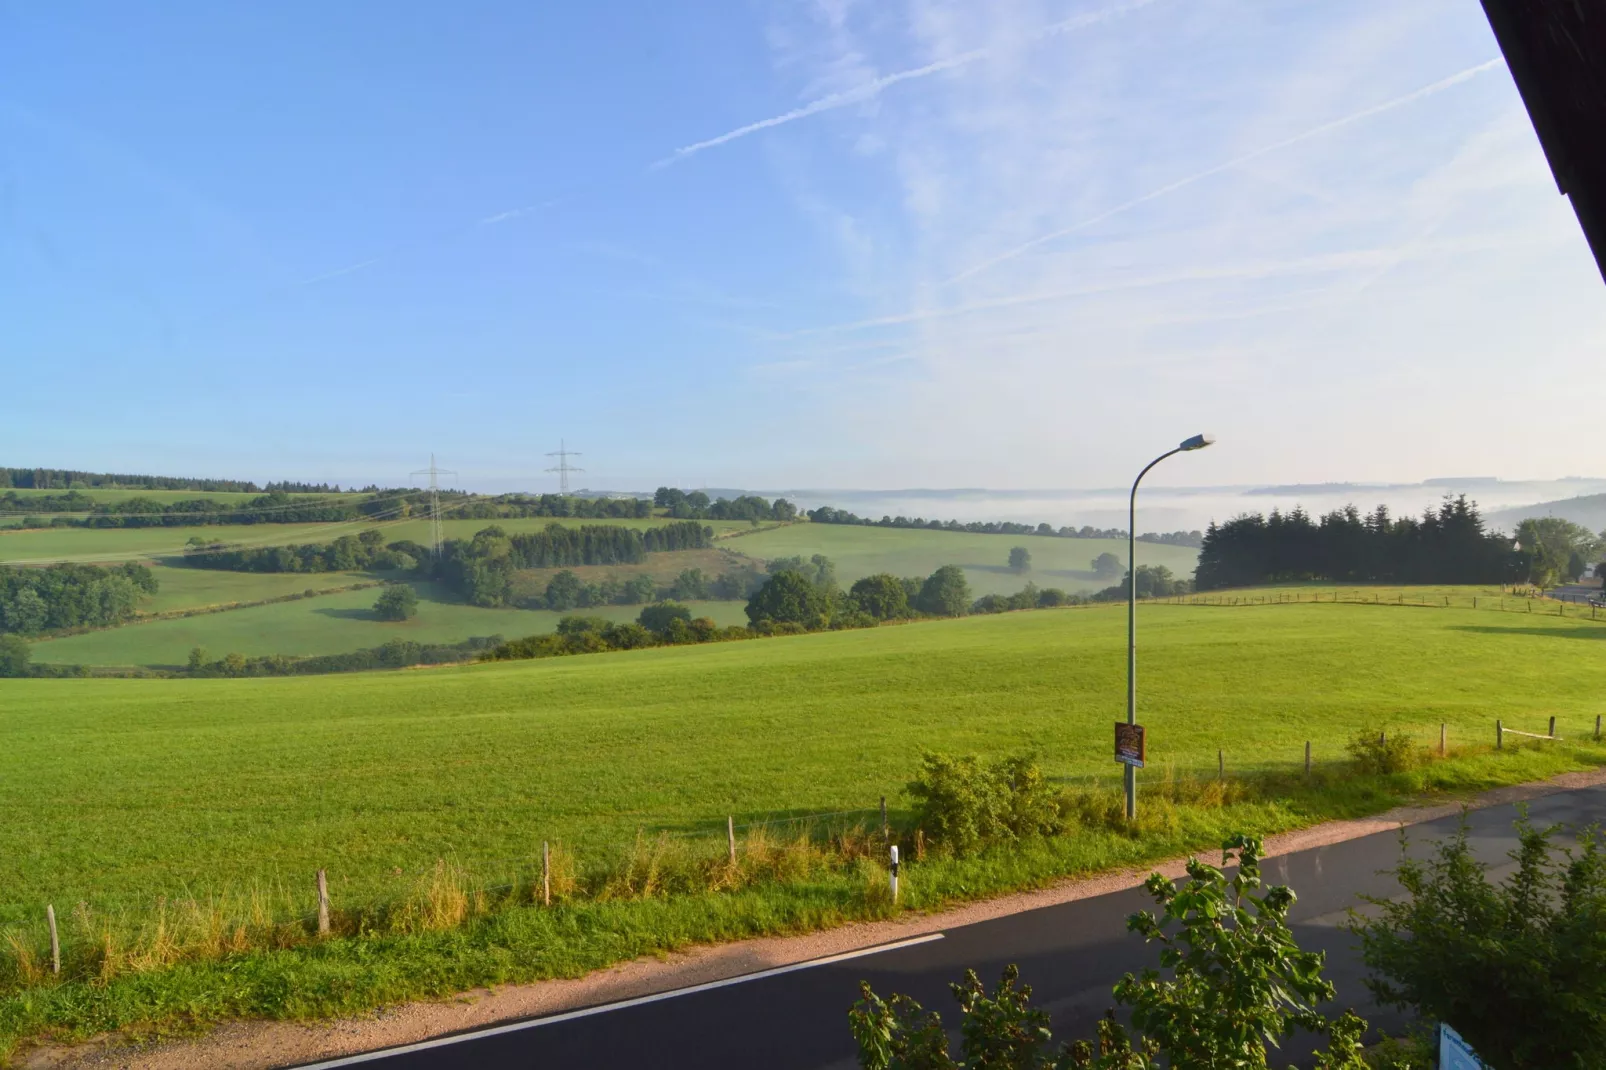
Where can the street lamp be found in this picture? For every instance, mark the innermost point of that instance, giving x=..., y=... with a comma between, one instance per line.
x=1197, y=442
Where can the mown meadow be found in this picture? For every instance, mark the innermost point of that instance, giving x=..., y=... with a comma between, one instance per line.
x=43, y=545
x=334, y=623
x=426, y=794
x=861, y=551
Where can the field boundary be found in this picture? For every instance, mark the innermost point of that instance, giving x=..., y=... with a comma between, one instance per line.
x=262, y=1045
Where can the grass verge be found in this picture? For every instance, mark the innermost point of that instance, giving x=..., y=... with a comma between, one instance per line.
x=186, y=965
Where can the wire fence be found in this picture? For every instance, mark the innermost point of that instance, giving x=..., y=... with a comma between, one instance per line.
x=1555, y=603
x=714, y=855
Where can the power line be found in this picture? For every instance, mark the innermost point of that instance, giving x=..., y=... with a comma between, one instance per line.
x=434, y=475
x=563, y=467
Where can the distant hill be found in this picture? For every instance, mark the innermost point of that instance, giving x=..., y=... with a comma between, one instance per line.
x=1586, y=509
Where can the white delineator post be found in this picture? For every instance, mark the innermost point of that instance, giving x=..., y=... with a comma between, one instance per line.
x=894, y=850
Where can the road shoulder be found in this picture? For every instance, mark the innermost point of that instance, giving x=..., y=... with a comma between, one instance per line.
x=264, y=1045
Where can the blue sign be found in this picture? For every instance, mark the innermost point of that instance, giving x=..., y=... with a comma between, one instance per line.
x=1455, y=1053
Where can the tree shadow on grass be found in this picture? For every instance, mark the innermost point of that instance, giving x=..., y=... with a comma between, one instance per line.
x=1586, y=631
x=357, y=613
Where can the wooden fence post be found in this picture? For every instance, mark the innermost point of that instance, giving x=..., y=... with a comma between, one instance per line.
x=546, y=873
x=55, y=941
x=1307, y=757
x=1221, y=765
x=323, y=904
x=730, y=836
x=1443, y=733
x=1553, y=728
x=885, y=836
x=1597, y=728
x=1499, y=735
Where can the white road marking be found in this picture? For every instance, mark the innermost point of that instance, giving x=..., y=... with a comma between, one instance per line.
x=441, y=1042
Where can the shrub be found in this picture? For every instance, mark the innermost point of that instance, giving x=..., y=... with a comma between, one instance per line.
x=571, y=626
x=946, y=593
x=660, y=617
x=628, y=636
x=1380, y=752
x=964, y=805
x=397, y=602
x=790, y=597
x=691, y=585
x=1235, y=982
x=563, y=591
x=881, y=596
x=1518, y=968
x=638, y=589
x=14, y=655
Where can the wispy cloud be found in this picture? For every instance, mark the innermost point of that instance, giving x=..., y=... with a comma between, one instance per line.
x=1321, y=206
x=515, y=213
x=1182, y=183
x=875, y=87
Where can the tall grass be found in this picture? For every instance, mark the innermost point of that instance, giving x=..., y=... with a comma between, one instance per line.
x=449, y=927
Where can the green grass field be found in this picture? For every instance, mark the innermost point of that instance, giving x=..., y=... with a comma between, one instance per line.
x=118, y=791
x=329, y=624
x=127, y=544
x=862, y=551
x=181, y=588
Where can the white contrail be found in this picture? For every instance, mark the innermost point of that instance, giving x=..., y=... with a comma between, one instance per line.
x=340, y=271
x=874, y=87
x=1317, y=131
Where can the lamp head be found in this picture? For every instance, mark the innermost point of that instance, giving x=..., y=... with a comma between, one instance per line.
x=1197, y=442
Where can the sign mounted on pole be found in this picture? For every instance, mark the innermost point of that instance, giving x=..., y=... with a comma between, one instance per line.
x=1455, y=1053
x=1129, y=744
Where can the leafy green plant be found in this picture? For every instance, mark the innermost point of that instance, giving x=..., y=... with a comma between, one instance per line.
x=963, y=805
x=1415, y=1051
x=1518, y=968
x=1236, y=983
x=1381, y=752
x=397, y=602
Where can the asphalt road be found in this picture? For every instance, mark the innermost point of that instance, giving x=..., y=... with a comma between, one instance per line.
x=1071, y=954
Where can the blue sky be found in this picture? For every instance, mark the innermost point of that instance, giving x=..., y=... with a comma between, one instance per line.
x=807, y=243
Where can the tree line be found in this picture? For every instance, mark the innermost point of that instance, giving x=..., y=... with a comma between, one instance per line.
x=697, y=506
x=279, y=507
x=515, y=506
x=481, y=569
x=67, y=478
x=66, y=595
x=396, y=654
x=362, y=551
x=275, y=507
x=1446, y=545
x=825, y=514
x=567, y=591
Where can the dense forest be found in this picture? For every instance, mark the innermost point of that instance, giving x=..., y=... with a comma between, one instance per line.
x=35, y=600
x=67, y=479
x=481, y=569
x=825, y=514
x=1447, y=545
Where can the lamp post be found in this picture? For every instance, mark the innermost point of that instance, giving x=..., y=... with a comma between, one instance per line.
x=1197, y=442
